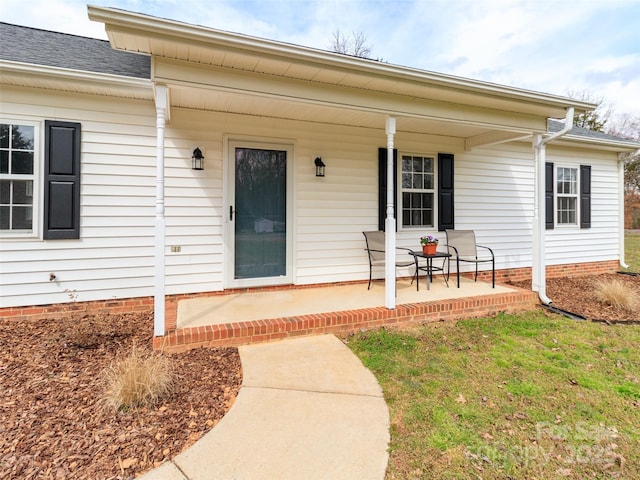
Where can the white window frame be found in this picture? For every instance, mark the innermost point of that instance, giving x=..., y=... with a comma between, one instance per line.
x=401, y=190
x=561, y=195
x=36, y=177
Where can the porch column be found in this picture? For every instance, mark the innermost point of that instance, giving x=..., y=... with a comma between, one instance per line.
x=390, y=223
x=161, y=94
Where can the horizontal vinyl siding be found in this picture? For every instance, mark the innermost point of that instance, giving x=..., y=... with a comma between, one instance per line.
x=571, y=244
x=114, y=256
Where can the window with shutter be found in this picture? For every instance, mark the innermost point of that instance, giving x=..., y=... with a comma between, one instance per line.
x=418, y=204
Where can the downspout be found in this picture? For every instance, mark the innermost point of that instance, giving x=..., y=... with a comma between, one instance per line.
x=161, y=100
x=539, y=280
x=390, y=223
x=621, y=158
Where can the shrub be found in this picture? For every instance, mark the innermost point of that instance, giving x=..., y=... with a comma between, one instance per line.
x=138, y=379
x=617, y=294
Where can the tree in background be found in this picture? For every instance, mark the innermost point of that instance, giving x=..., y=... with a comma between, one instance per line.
x=356, y=45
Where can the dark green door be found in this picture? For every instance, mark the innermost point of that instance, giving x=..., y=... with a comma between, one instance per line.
x=260, y=214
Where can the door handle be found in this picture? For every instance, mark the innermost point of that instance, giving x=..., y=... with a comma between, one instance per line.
x=231, y=213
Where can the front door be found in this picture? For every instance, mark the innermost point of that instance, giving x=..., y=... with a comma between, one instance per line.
x=258, y=214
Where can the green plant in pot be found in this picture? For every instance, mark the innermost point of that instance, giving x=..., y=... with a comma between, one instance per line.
x=429, y=244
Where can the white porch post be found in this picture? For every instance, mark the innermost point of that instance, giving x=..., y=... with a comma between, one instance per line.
x=390, y=223
x=161, y=100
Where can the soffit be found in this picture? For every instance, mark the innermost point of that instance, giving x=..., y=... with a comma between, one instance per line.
x=65, y=80
x=205, y=46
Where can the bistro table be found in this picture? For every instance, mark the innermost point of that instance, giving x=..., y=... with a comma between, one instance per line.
x=429, y=268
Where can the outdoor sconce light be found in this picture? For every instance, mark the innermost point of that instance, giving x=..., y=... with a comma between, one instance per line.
x=197, y=159
x=319, y=167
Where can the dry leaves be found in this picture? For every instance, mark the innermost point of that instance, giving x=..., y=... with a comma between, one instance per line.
x=52, y=423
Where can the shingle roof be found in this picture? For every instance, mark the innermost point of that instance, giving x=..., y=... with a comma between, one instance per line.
x=556, y=126
x=42, y=47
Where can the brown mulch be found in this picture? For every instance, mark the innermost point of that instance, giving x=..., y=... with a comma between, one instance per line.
x=577, y=295
x=53, y=424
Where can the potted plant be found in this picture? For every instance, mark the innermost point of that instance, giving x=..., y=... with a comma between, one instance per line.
x=429, y=244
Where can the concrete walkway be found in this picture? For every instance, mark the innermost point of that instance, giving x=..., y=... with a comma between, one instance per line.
x=307, y=409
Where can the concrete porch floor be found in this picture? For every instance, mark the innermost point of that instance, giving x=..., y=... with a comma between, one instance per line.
x=243, y=307
x=261, y=316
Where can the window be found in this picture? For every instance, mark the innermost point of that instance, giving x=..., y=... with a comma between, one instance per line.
x=418, y=191
x=433, y=193
x=17, y=177
x=567, y=196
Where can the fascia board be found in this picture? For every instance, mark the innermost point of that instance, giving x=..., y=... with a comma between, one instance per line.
x=138, y=24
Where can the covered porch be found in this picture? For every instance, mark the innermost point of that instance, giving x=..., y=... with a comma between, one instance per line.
x=236, y=318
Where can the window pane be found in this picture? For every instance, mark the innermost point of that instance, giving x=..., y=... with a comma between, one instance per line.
x=21, y=218
x=427, y=217
x=416, y=217
x=417, y=164
x=428, y=181
x=4, y=161
x=417, y=181
x=406, y=217
x=4, y=218
x=4, y=135
x=23, y=192
x=5, y=192
x=22, y=162
x=22, y=137
x=406, y=180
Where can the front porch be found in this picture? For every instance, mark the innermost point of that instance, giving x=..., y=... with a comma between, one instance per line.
x=259, y=316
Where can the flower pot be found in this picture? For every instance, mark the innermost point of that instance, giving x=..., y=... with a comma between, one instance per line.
x=429, y=248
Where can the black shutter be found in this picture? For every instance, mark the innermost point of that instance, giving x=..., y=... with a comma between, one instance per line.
x=548, y=195
x=61, y=180
x=585, y=196
x=382, y=186
x=445, y=192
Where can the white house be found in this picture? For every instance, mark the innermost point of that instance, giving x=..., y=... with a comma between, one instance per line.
x=100, y=200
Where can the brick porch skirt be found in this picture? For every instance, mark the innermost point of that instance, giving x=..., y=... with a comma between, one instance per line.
x=333, y=322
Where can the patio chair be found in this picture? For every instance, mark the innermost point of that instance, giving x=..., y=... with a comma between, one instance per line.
x=462, y=245
x=375, y=249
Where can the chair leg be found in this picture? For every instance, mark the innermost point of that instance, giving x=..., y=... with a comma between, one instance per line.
x=493, y=273
x=370, y=275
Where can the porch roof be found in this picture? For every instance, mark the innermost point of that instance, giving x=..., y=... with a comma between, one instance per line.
x=210, y=69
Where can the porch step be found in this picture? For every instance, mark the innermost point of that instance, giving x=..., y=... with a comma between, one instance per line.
x=343, y=322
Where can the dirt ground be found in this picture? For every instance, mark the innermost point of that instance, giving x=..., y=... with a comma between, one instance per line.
x=52, y=424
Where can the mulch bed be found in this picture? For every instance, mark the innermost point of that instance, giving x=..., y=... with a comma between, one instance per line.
x=577, y=295
x=53, y=423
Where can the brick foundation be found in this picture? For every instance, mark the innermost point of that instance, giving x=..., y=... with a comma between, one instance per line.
x=335, y=322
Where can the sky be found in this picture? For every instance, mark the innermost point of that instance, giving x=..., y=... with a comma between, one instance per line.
x=588, y=48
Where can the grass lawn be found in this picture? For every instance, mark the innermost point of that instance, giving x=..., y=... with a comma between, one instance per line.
x=632, y=251
x=526, y=396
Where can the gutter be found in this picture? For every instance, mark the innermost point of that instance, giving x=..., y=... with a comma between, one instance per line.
x=540, y=142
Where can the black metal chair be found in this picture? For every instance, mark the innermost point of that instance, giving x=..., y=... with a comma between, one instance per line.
x=462, y=245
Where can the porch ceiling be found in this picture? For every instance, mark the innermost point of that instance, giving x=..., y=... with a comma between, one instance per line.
x=256, y=105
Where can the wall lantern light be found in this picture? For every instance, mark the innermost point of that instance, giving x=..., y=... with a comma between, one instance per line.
x=319, y=167
x=197, y=159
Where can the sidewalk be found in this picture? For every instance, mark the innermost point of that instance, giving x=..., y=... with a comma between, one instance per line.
x=307, y=409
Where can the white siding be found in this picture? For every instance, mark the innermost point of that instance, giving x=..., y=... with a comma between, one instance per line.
x=494, y=191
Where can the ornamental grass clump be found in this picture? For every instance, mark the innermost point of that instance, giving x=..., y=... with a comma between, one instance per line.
x=138, y=379
x=616, y=294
